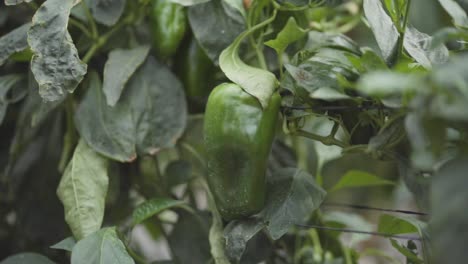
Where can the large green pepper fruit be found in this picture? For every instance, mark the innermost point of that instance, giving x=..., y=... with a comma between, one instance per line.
x=238, y=136
x=168, y=25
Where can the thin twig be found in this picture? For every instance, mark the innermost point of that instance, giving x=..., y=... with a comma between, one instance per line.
x=360, y=232
x=364, y=207
x=335, y=108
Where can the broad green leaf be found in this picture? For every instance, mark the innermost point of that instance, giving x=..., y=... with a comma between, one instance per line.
x=452, y=81
x=448, y=34
x=101, y=247
x=457, y=13
x=449, y=212
x=27, y=258
x=189, y=2
x=119, y=67
x=83, y=190
x=216, y=31
x=55, y=63
x=418, y=45
x=153, y=207
x=386, y=83
x=142, y=122
x=393, y=225
x=289, y=34
x=319, y=75
x=369, y=61
x=385, y=32
x=66, y=244
x=350, y=221
x=394, y=10
x=328, y=94
x=419, y=137
x=388, y=135
x=257, y=82
x=237, y=5
x=292, y=196
x=410, y=255
x=106, y=12
x=14, y=41
x=7, y=84
x=189, y=239
x=355, y=178
x=15, y=2
x=178, y=172
x=317, y=40
x=108, y=130
x=237, y=233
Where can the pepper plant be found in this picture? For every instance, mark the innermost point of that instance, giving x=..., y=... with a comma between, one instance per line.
x=116, y=149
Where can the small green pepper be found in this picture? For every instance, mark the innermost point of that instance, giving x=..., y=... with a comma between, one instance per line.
x=168, y=25
x=238, y=135
x=195, y=70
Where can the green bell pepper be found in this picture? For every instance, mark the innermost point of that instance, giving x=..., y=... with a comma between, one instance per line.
x=168, y=26
x=195, y=70
x=238, y=135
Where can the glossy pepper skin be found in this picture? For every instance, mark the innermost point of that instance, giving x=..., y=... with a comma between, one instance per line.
x=168, y=25
x=238, y=135
x=195, y=70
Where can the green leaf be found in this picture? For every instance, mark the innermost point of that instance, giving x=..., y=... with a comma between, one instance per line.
x=27, y=258
x=448, y=34
x=328, y=94
x=351, y=221
x=189, y=238
x=259, y=83
x=369, y=61
x=387, y=83
x=393, y=225
x=15, y=2
x=153, y=207
x=178, y=172
x=292, y=196
x=410, y=255
x=388, y=135
x=189, y=2
x=237, y=5
x=237, y=233
x=142, y=122
x=216, y=31
x=106, y=12
x=456, y=12
x=83, y=189
x=383, y=28
x=119, y=67
x=317, y=40
x=14, y=41
x=449, y=212
x=101, y=247
x=55, y=63
x=7, y=84
x=66, y=244
x=289, y=34
x=418, y=45
x=355, y=178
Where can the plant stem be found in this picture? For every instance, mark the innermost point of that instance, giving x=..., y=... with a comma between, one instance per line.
x=101, y=41
x=80, y=26
x=92, y=24
x=402, y=32
x=70, y=135
x=328, y=140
